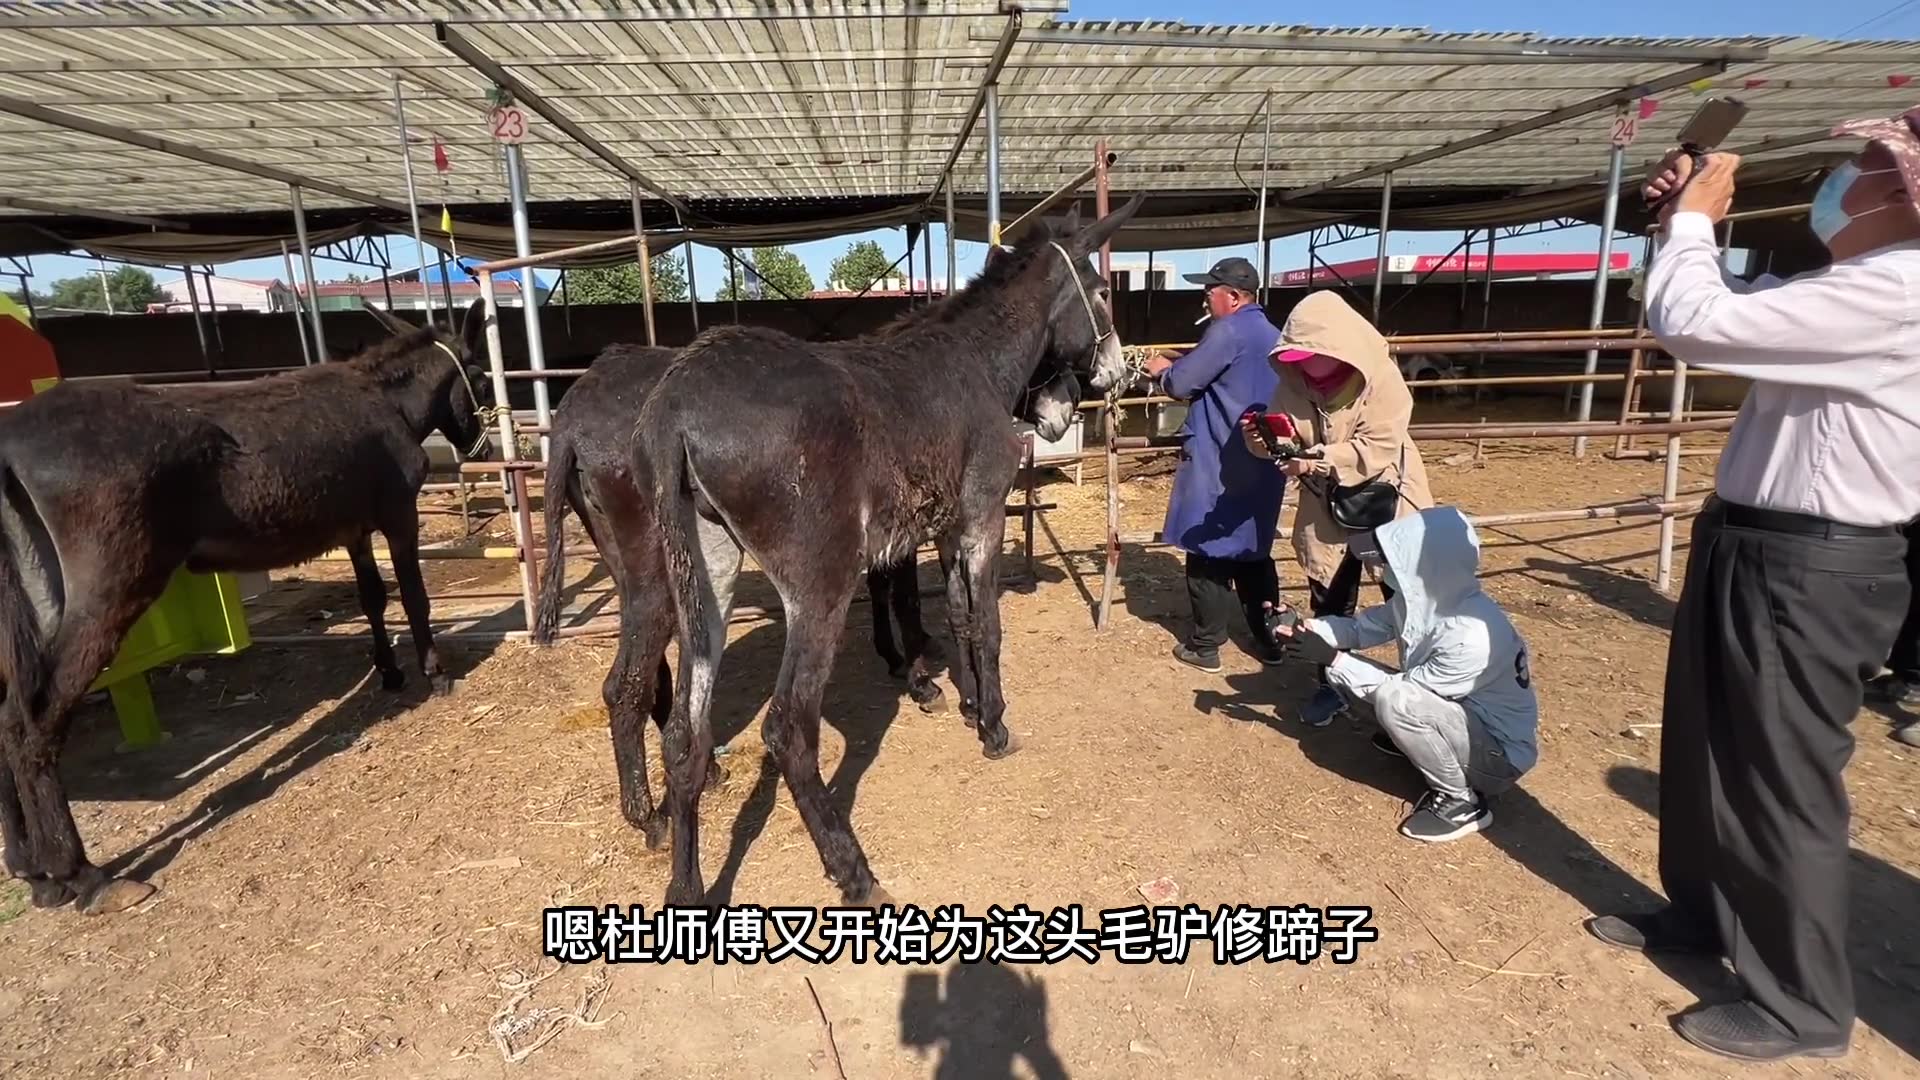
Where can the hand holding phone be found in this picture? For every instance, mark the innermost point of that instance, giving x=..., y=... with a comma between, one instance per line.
x=1273, y=432
x=1705, y=131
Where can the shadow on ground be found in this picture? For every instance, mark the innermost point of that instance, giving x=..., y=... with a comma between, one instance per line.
x=980, y=1022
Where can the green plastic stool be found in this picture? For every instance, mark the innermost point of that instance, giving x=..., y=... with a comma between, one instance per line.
x=197, y=614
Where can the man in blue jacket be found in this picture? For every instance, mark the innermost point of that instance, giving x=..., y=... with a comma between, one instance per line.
x=1225, y=506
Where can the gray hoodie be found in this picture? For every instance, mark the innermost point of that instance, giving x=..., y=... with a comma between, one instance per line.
x=1453, y=639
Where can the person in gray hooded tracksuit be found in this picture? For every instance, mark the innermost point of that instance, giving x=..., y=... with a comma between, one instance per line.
x=1462, y=707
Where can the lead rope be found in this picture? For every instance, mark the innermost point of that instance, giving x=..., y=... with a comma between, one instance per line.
x=487, y=416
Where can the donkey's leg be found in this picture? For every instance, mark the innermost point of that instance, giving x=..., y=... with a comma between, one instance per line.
x=792, y=730
x=913, y=632
x=980, y=571
x=87, y=642
x=646, y=625
x=22, y=861
x=403, y=544
x=688, y=738
x=960, y=624
x=878, y=580
x=373, y=604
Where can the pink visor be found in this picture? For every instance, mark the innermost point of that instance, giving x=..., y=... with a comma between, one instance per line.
x=1293, y=356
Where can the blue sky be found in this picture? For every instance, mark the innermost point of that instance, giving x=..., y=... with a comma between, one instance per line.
x=1895, y=19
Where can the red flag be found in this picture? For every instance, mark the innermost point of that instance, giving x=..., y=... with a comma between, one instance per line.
x=1755, y=84
x=440, y=163
x=1898, y=81
x=1648, y=106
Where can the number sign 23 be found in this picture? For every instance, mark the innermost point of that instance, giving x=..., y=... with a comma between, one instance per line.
x=508, y=123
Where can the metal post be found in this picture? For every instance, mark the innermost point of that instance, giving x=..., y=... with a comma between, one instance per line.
x=993, y=164
x=646, y=264
x=106, y=293
x=926, y=235
x=1615, y=164
x=299, y=327
x=509, y=444
x=413, y=206
x=1380, y=260
x=213, y=316
x=446, y=286
x=529, y=288
x=693, y=287
x=1260, y=235
x=1110, y=425
x=306, y=261
x=199, y=330
x=953, y=255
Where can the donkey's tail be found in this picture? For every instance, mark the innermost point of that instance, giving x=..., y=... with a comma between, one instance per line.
x=553, y=582
x=663, y=449
x=23, y=666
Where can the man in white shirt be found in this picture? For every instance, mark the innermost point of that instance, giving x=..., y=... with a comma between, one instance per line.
x=1795, y=588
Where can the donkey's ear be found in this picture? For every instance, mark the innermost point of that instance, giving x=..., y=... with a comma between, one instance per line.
x=1098, y=233
x=1071, y=223
x=473, y=331
x=395, y=324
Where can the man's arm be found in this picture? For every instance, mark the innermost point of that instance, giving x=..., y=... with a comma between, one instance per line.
x=1371, y=627
x=1841, y=329
x=1193, y=372
x=1453, y=671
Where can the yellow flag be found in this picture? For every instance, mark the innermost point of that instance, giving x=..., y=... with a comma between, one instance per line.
x=1699, y=85
x=446, y=221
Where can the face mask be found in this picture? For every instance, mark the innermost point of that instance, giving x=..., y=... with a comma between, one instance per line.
x=1829, y=217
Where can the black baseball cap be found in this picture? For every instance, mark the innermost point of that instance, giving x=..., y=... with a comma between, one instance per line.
x=1234, y=272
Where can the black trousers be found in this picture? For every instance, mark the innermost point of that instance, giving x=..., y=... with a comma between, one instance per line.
x=1217, y=586
x=1776, y=633
x=1341, y=596
x=1904, y=660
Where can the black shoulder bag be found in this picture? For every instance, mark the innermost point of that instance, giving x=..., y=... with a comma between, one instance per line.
x=1370, y=503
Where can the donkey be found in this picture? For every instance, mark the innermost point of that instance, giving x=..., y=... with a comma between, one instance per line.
x=107, y=490
x=590, y=473
x=824, y=459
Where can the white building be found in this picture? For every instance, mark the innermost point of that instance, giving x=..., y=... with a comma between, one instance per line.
x=228, y=294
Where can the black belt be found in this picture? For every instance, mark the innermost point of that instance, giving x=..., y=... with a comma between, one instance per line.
x=1786, y=521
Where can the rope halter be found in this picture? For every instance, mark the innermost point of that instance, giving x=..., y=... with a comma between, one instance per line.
x=485, y=416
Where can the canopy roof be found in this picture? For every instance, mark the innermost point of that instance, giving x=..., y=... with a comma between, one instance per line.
x=190, y=118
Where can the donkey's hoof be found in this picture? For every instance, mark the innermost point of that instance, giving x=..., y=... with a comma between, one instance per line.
x=933, y=702
x=50, y=894
x=878, y=898
x=392, y=679
x=655, y=831
x=1012, y=744
x=118, y=894
x=684, y=895
x=716, y=774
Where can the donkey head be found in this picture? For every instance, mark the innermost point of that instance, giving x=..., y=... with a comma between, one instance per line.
x=1052, y=406
x=460, y=392
x=1081, y=330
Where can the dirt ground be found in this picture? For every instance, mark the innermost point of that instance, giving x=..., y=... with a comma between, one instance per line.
x=351, y=882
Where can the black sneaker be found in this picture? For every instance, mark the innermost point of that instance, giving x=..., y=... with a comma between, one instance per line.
x=1438, y=817
x=1649, y=931
x=1384, y=743
x=1207, y=661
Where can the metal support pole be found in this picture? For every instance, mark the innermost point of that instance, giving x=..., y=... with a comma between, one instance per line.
x=529, y=289
x=1380, y=260
x=306, y=261
x=1616, y=163
x=646, y=264
x=199, y=329
x=299, y=326
x=953, y=255
x=926, y=236
x=509, y=445
x=1109, y=423
x=1260, y=235
x=213, y=316
x=413, y=206
x=993, y=164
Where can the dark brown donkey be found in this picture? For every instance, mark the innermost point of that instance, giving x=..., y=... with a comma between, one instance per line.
x=825, y=459
x=106, y=490
x=590, y=474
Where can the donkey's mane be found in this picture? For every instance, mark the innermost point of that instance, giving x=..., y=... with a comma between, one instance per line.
x=397, y=359
x=997, y=273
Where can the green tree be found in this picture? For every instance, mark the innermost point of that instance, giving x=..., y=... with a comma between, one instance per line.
x=621, y=284
x=131, y=288
x=781, y=272
x=857, y=267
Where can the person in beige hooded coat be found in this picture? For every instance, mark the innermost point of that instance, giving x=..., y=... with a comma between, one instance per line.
x=1350, y=409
